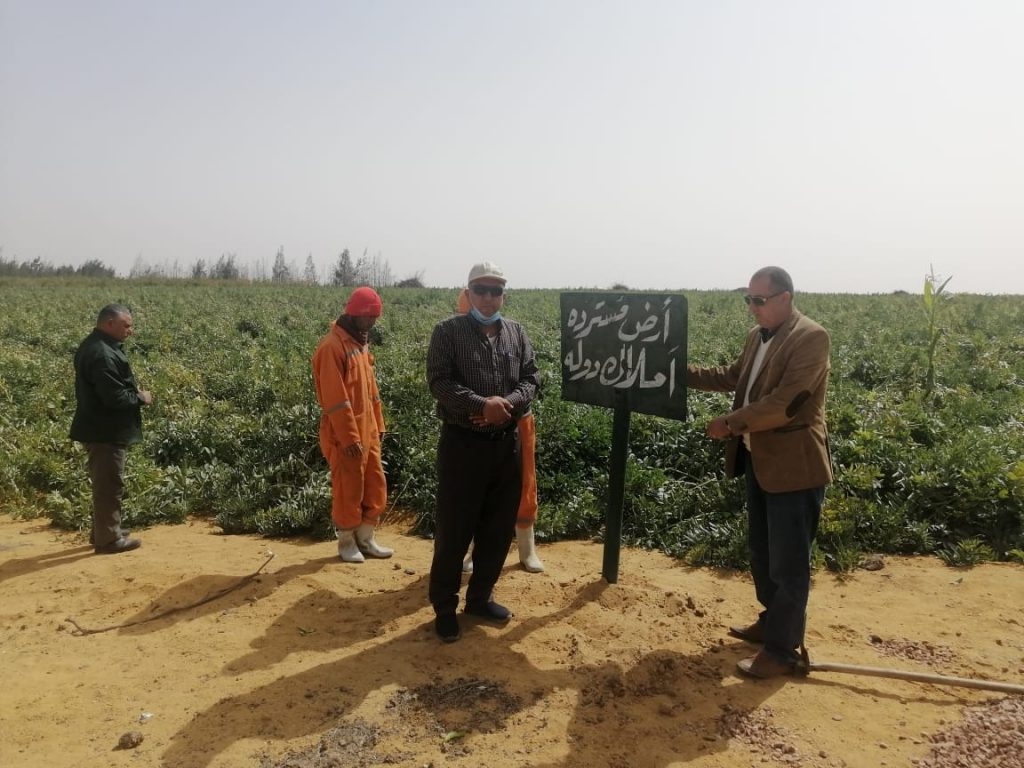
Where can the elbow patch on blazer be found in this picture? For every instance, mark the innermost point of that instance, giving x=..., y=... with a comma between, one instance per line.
x=797, y=402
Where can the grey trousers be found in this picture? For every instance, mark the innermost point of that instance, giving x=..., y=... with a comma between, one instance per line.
x=106, y=470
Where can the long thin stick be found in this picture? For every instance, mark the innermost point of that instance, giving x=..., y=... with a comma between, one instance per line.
x=80, y=631
x=806, y=666
x=962, y=682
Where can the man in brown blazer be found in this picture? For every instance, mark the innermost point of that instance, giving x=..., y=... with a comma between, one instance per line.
x=776, y=438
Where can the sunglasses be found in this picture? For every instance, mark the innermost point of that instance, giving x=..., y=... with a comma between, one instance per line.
x=760, y=301
x=483, y=290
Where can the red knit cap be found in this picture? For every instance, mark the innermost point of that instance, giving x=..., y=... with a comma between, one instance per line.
x=364, y=302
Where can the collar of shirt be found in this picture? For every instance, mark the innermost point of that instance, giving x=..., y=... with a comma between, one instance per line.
x=482, y=329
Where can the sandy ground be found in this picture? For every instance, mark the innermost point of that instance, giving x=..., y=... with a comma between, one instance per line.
x=315, y=663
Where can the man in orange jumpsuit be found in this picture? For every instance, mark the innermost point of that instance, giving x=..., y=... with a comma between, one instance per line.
x=527, y=514
x=351, y=426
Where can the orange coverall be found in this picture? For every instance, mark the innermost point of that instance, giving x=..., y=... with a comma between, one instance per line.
x=346, y=389
x=527, y=514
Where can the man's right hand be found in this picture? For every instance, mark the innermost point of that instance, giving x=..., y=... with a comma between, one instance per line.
x=497, y=410
x=356, y=449
x=146, y=397
x=718, y=429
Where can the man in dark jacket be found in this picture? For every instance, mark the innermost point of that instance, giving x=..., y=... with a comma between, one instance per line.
x=483, y=374
x=107, y=420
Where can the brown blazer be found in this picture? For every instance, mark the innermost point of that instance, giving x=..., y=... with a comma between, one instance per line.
x=786, y=415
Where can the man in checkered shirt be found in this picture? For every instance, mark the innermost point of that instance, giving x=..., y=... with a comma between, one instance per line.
x=482, y=371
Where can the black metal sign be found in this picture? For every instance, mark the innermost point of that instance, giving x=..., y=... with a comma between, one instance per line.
x=625, y=343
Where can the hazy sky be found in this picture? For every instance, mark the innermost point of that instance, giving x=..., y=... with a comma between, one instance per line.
x=658, y=144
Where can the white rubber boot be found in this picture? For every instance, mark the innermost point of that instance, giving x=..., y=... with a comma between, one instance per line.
x=347, y=549
x=368, y=545
x=467, y=564
x=528, y=550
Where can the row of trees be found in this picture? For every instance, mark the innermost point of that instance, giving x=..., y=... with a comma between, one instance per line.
x=345, y=271
x=366, y=270
x=39, y=268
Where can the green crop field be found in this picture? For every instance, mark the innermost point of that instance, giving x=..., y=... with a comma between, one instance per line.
x=924, y=462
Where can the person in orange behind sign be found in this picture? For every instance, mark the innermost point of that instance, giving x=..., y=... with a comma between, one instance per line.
x=351, y=426
x=527, y=514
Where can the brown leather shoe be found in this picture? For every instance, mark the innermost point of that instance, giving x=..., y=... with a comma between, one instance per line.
x=752, y=634
x=765, y=666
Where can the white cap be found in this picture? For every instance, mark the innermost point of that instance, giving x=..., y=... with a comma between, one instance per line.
x=486, y=269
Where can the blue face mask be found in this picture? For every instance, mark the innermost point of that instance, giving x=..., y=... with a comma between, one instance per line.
x=475, y=314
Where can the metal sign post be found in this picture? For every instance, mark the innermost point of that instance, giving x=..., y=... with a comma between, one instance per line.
x=616, y=488
x=627, y=352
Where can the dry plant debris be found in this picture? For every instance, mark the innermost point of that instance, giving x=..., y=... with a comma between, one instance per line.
x=991, y=735
x=914, y=650
x=755, y=727
x=350, y=745
x=463, y=705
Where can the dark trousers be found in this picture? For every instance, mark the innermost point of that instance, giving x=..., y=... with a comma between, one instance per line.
x=782, y=527
x=479, y=483
x=106, y=470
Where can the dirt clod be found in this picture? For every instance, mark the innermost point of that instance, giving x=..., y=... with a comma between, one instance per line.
x=129, y=740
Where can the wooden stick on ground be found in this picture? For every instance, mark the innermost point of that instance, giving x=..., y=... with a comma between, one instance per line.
x=81, y=631
x=806, y=666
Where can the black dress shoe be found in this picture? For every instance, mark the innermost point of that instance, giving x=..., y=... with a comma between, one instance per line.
x=117, y=546
x=490, y=611
x=92, y=535
x=752, y=634
x=447, y=627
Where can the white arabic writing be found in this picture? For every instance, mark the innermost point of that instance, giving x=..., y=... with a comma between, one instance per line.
x=627, y=367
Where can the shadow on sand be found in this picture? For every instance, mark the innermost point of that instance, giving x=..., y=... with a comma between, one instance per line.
x=668, y=701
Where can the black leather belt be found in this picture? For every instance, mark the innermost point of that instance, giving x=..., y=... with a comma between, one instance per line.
x=501, y=434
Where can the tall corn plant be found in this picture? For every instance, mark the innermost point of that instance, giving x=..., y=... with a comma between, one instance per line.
x=933, y=298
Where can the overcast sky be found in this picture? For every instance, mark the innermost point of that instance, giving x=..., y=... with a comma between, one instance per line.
x=664, y=145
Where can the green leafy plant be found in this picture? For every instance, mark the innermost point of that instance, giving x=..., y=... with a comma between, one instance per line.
x=966, y=553
x=933, y=299
x=844, y=559
x=233, y=432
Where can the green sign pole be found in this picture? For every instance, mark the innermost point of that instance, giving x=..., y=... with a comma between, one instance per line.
x=616, y=487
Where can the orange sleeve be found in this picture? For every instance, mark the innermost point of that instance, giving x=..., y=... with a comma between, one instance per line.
x=378, y=411
x=333, y=394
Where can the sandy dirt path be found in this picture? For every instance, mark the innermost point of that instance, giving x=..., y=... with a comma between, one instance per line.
x=316, y=663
